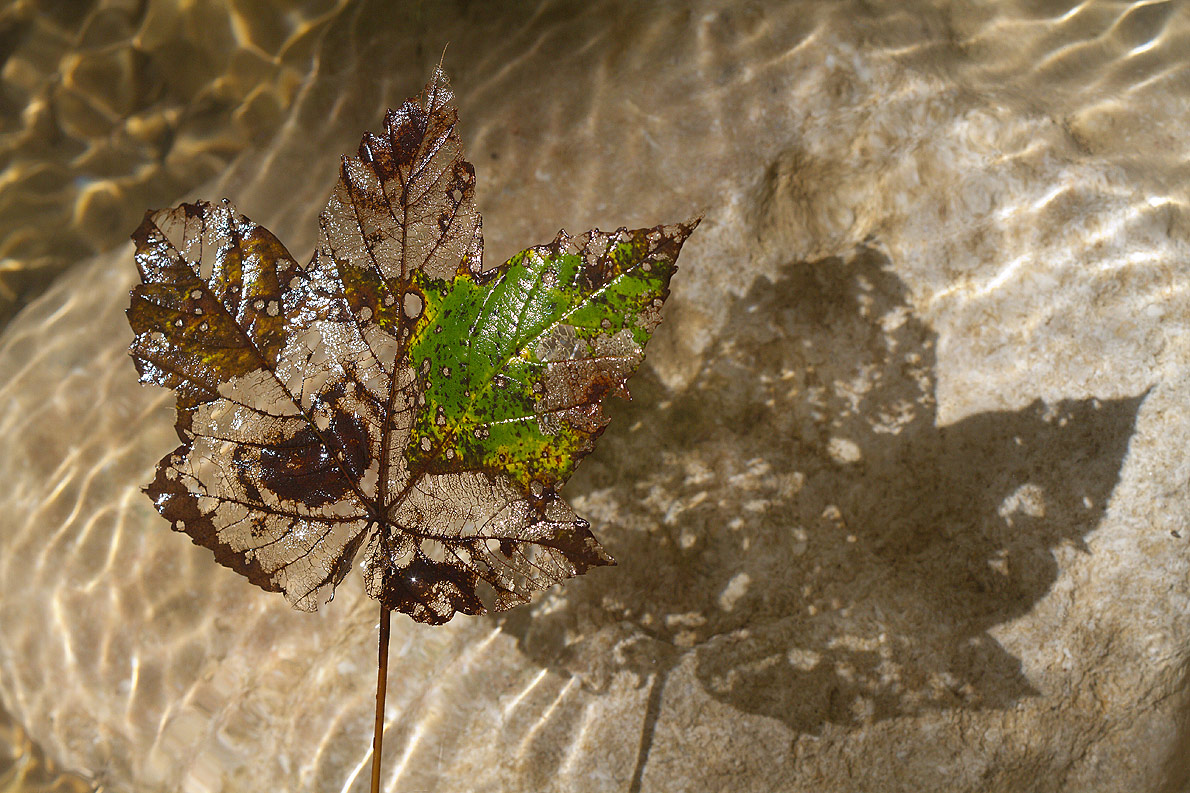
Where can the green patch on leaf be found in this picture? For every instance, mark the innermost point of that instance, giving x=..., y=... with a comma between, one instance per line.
x=514, y=365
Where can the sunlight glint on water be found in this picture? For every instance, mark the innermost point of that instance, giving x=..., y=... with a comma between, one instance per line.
x=121, y=108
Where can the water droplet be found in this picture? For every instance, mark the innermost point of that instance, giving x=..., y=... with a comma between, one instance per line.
x=426, y=444
x=365, y=314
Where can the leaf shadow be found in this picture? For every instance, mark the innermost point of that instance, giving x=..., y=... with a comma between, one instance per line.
x=802, y=526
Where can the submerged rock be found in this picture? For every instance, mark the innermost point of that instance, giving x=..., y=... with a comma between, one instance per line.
x=900, y=503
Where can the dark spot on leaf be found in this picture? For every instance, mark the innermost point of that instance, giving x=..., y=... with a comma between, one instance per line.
x=303, y=469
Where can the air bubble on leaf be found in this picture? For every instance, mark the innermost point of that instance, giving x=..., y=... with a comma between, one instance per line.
x=195, y=294
x=426, y=444
x=273, y=308
x=258, y=304
x=365, y=314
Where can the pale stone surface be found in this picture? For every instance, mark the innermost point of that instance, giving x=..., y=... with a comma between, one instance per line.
x=900, y=501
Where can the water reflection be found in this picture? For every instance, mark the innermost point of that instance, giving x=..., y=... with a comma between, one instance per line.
x=24, y=768
x=791, y=522
x=107, y=108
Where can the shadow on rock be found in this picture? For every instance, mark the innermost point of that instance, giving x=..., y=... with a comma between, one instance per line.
x=801, y=525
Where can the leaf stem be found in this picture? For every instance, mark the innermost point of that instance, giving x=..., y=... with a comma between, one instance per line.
x=381, y=687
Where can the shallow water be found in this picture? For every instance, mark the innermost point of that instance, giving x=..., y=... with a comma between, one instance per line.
x=920, y=380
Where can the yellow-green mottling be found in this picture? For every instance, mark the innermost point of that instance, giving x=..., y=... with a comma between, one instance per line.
x=196, y=333
x=478, y=350
x=369, y=295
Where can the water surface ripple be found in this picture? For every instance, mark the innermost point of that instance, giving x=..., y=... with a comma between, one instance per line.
x=900, y=500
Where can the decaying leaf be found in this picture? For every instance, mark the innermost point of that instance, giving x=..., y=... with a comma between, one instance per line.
x=390, y=396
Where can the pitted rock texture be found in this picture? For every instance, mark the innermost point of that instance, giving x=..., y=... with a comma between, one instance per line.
x=900, y=504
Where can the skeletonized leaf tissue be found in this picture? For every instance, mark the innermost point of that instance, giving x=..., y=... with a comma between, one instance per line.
x=390, y=398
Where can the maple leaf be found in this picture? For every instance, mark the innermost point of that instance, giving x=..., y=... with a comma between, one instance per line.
x=390, y=396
